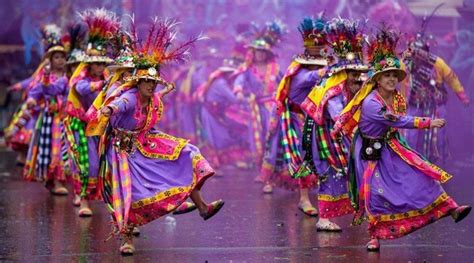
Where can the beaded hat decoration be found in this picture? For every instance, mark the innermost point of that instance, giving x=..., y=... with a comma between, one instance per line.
x=346, y=40
x=102, y=25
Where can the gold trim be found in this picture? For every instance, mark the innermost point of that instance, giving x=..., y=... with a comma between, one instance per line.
x=330, y=198
x=170, y=192
x=177, y=150
x=381, y=218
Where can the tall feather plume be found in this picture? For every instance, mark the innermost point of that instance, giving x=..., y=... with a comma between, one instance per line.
x=383, y=44
x=158, y=47
x=102, y=25
x=76, y=36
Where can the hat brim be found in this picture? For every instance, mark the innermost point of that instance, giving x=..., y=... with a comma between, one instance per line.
x=268, y=49
x=310, y=61
x=54, y=49
x=137, y=78
x=227, y=69
x=401, y=74
x=98, y=59
x=356, y=67
x=118, y=67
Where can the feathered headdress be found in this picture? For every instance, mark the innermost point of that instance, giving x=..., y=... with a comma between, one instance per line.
x=346, y=39
x=102, y=25
x=423, y=40
x=122, y=51
x=158, y=48
x=383, y=58
x=52, y=39
x=75, y=40
x=382, y=53
x=313, y=32
x=269, y=36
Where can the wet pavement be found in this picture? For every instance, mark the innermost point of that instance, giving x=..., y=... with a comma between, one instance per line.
x=252, y=227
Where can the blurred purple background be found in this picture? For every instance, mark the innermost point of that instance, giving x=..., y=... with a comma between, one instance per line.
x=452, y=27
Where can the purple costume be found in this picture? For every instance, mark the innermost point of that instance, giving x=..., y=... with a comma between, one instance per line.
x=398, y=189
x=147, y=173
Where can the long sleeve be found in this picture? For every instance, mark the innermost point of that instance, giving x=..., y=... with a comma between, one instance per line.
x=374, y=111
x=446, y=74
x=124, y=103
x=36, y=92
x=239, y=83
x=86, y=87
x=334, y=107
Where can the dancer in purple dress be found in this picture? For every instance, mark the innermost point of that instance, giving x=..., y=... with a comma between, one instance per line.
x=44, y=160
x=323, y=105
x=395, y=187
x=219, y=109
x=256, y=83
x=147, y=173
x=283, y=158
x=85, y=84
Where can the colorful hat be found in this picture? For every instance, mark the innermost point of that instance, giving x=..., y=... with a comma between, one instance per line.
x=313, y=32
x=52, y=39
x=155, y=51
x=103, y=25
x=75, y=41
x=267, y=37
x=382, y=54
x=346, y=39
x=124, y=56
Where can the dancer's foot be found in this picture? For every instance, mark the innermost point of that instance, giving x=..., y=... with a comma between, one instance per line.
x=84, y=210
x=184, y=208
x=76, y=201
x=308, y=209
x=136, y=232
x=59, y=189
x=212, y=209
x=127, y=248
x=259, y=179
x=267, y=189
x=373, y=245
x=327, y=226
x=460, y=213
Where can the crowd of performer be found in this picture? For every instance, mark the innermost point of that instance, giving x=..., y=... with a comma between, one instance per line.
x=101, y=112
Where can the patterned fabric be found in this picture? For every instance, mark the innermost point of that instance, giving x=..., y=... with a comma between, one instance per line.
x=44, y=145
x=82, y=158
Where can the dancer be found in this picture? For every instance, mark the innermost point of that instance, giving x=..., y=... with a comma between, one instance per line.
x=283, y=159
x=394, y=186
x=44, y=160
x=427, y=96
x=256, y=83
x=85, y=84
x=147, y=173
x=323, y=105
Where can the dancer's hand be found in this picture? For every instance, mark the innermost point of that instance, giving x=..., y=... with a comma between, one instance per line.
x=437, y=123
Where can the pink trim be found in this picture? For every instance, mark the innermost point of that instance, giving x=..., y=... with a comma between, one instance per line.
x=331, y=209
x=317, y=111
x=413, y=159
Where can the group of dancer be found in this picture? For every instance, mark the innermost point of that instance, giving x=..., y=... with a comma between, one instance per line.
x=93, y=117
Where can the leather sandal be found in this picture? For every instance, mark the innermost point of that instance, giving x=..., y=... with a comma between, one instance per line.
x=127, y=249
x=327, y=227
x=212, y=209
x=460, y=213
x=184, y=208
x=308, y=210
x=373, y=245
